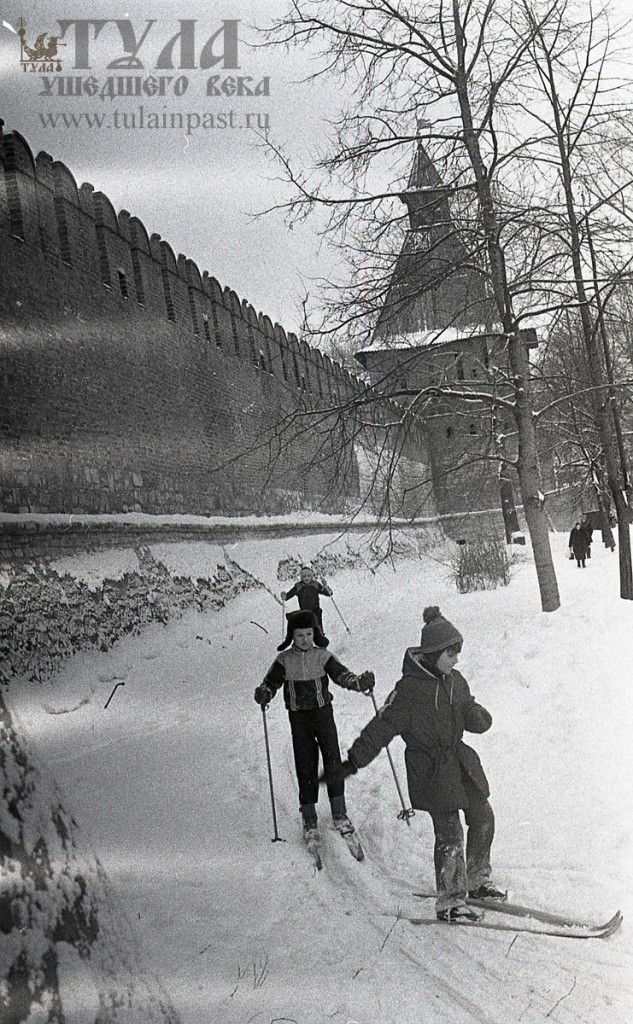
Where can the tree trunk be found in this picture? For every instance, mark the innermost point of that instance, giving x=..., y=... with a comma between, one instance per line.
x=527, y=461
x=530, y=480
x=605, y=526
x=508, y=508
x=624, y=544
x=617, y=475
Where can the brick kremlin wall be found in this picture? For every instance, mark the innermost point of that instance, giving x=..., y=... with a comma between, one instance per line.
x=131, y=381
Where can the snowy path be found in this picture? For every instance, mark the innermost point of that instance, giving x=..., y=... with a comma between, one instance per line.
x=169, y=786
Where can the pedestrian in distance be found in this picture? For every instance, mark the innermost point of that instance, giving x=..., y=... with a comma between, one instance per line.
x=578, y=544
x=587, y=529
x=307, y=590
x=431, y=707
x=304, y=671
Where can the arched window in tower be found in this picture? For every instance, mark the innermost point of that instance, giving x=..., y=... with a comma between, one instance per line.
x=62, y=230
x=449, y=432
x=456, y=369
x=205, y=327
x=192, y=310
x=472, y=429
x=123, y=288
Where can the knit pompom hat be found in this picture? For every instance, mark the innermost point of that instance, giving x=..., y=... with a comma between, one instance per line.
x=438, y=633
x=302, y=620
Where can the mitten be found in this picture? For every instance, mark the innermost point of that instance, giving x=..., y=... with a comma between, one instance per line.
x=366, y=682
x=338, y=773
x=263, y=694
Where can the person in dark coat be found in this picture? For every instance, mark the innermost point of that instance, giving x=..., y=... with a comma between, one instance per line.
x=587, y=529
x=304, y=672
x=578, y=544
x=307, y=591
x=431, y=707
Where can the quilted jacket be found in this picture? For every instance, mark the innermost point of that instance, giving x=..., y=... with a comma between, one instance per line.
x=430, y=713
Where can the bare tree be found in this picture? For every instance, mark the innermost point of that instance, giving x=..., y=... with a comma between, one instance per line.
x=456, y=63
x=584, y=136
x=566, y=399
x=520, y=102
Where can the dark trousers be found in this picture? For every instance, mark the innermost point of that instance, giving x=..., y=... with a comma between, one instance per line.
x=312, y=731
x=454, y=873
x=318, y=614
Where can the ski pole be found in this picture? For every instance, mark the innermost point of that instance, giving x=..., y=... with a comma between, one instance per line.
x=276, y=838
x=340, y=616
x=407, y=812
x=283, y=619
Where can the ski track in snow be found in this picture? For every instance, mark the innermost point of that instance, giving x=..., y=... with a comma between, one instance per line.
x=170, y=788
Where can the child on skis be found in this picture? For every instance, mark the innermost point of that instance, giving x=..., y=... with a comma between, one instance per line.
x=303, y=671
x=307, y=591
x=430, y=708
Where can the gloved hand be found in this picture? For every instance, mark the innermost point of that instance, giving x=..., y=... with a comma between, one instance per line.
x=339, y=773
x=283, y=595
x=366, y=682
x=263, y=694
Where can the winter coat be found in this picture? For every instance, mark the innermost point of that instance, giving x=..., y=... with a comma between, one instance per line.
x=431, y=714
x=308, y=595
x=578, y=542
x=304, y=676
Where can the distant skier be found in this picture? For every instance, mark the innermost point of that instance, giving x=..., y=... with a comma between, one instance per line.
x=303, y=671
x=578, y=544
x=307, y=591
x=430, y=708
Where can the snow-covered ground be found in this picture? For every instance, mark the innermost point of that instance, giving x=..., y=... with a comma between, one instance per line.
x=169, y=786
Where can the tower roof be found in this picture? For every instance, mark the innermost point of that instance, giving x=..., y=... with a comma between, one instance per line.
x=434, y=283
x=423, y=172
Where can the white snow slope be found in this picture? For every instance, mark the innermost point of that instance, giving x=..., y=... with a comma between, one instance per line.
x=169, y=785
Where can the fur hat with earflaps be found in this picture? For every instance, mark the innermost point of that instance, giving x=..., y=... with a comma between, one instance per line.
x=437, y=633
x=302, y=620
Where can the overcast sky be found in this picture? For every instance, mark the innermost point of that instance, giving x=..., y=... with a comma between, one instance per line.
x=197, y=190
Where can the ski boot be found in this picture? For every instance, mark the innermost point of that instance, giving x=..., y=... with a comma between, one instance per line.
x=310, y=824
x=488, y=891
x=461, y=913
x=342, y=823
x=311, y=836
x=344, y=827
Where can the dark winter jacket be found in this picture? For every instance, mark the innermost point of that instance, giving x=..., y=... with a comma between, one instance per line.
x=578, y=542
x=431, y=714
x=308, y=595
x=304, y=677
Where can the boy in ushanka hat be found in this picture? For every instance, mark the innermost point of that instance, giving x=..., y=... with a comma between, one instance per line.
x=303, y=668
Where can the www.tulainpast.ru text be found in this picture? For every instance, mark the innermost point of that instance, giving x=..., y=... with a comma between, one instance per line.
x=141, y=118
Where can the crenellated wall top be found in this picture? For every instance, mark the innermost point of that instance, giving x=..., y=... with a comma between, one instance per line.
x=16, y=159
